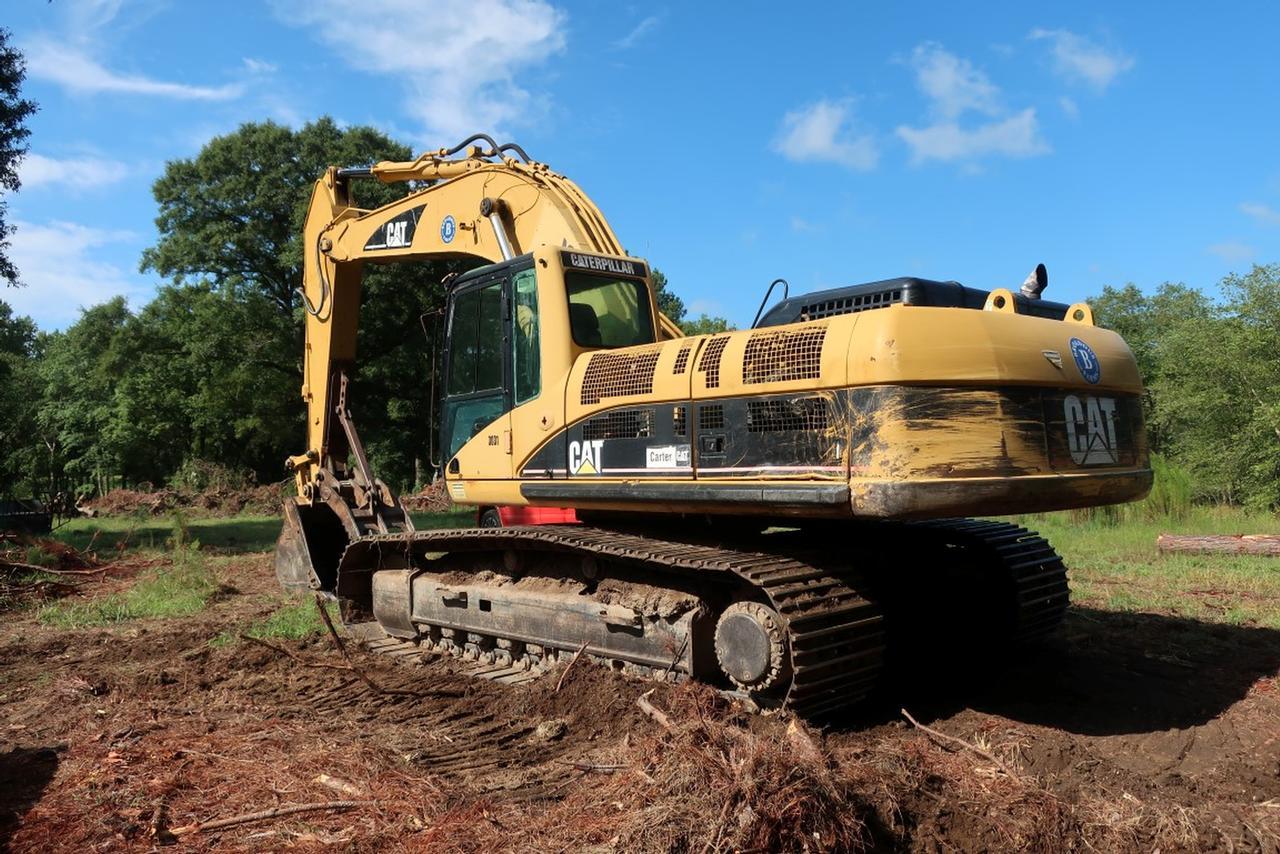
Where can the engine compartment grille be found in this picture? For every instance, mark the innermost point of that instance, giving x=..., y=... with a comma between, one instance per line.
x=611, y=374
x=784, y=355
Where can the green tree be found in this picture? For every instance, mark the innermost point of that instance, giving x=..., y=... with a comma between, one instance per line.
x=81, y=368
x=233, y=214
x=231, y=221
x=706, y=325
x=1218, y=392
x=668, y=303
x=210, y=377
x=14, y=112
x=1212, y=379
x=1145, y=321
x=19, y=399
x=673, y=307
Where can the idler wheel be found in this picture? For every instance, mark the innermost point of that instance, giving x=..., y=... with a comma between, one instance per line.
x=751, y=646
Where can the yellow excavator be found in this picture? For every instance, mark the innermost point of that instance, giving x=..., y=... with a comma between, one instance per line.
x=759, y=509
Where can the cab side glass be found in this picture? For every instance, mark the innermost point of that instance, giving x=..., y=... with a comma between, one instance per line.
x=526, y=358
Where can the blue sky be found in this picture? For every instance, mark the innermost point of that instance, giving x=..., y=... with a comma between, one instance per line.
x=727, y=143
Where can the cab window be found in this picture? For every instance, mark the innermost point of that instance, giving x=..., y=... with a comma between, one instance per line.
x=475, y=360
x=525, y=356
x=608, y=312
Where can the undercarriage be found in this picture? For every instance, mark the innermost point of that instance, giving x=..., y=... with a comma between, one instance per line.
x=799, y=618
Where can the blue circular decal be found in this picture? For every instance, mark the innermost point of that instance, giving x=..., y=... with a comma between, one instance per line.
x=1086, y=360
x=448, y=229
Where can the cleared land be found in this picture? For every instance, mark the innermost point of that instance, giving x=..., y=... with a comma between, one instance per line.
x=131, y=709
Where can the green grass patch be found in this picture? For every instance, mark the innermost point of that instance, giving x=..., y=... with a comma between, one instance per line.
x=234, y=535
x=178, y=590
x=1114, y=565
x=291, y=621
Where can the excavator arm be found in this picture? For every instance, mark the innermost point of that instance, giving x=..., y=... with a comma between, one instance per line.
x=477, y=206
x=466, y=202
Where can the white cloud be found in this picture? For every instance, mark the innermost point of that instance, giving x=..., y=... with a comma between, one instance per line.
x=1069, y=107
x=1077, y=58
x=1016, y=136
x=952, y=84
x=259, y=66
x=457, y=60
x=640, y=30
x=955, y=88
x=76, y=173
x=77, y=72
x=56, y=261
x=820, y=133
x=1264, y=214
x=1233, y=252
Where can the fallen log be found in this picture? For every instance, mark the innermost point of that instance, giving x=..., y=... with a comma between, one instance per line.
x=1267, y=545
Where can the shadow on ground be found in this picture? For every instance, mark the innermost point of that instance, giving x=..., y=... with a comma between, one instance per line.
x=1104, y=673
x=24, y=774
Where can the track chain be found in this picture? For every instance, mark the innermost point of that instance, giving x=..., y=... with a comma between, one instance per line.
x=1019, y=557
x=835, y=634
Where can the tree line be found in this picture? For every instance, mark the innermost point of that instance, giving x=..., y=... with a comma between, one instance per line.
x=209, y=370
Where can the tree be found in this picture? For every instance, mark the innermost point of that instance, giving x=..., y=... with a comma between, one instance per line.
x=19, y=399
x=668, y=303
x=14, y=112
x=81, y=369
x=233, y=215
x=706, y=325
x=210, y=377
x=231, y=221
x=1144, y=322
x=673, y=307
x=1212, y=380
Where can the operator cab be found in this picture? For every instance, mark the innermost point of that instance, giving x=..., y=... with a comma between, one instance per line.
x=505, y=330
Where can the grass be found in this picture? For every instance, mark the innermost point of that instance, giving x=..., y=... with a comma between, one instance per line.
x=1112, y=559
x=178, y=590
x=290, y=621
x=1115, y=565
x=235, y=534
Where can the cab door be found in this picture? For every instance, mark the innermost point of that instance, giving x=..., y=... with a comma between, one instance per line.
x=475, y=422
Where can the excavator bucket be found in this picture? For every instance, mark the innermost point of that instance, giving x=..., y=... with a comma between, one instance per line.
x=311, y=543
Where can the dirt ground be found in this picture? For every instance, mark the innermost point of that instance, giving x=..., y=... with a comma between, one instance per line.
x=1129, y=732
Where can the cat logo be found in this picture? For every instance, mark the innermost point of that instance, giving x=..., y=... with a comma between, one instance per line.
x=396, y=233
x=1091, y=429
x=586, y=457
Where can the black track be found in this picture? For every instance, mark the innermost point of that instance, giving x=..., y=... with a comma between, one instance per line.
x=836, y=631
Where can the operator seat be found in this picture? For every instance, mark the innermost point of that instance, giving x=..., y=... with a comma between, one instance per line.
x=585, y=325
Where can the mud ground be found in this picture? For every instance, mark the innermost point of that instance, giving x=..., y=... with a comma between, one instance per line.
x=1127, y=733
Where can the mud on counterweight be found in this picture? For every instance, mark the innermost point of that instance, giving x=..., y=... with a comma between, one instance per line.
x=835, y=638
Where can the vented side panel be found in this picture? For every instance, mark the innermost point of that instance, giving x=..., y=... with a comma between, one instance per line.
x=811, y=414
x=682, y=359
x=709, y=362
x=711, y=417
x=680, y=420
x=612, y=374
x=849, y=305
x=773, y=357
x=621, y=424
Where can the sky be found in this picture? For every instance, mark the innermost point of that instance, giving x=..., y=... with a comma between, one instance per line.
x=727, y=143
